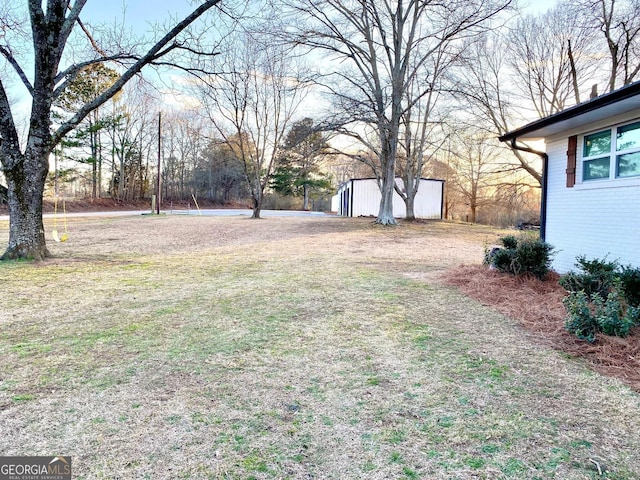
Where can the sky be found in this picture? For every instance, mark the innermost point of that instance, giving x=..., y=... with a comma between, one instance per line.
x=141, y=15
x=539, y=5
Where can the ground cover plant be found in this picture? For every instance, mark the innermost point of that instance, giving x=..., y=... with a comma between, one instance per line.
x=199, y=347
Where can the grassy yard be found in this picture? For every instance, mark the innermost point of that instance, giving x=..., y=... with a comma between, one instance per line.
x=304, y=348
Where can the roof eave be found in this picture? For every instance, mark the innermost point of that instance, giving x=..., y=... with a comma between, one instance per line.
x=610, y=99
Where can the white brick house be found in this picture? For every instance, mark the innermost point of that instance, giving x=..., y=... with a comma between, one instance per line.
x=591, y=181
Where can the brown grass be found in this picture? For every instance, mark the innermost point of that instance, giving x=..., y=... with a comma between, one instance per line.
x=170, y=347
x=537, y=305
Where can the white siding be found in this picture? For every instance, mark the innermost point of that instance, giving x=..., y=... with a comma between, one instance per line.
x=364, y=199
x=428, y=202
x=335, y=203
x=595, y=219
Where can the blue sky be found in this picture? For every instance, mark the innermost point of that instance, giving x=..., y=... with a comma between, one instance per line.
x=137, y=13
x=141, y=13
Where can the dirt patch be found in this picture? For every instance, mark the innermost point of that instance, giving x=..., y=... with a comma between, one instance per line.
x=537, y=305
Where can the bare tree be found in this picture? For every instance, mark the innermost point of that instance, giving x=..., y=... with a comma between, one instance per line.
x=251, y=103
x=421, y=136
x=381, y=47
x=219, y=175
x=550, y=56
x=25, y=166
x=132, y=132
x=473, y=157
x=534, y=70
x=183, y=141
x=489, y=103
x=615, y=25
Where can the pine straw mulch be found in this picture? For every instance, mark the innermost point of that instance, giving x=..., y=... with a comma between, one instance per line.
x=537, y=305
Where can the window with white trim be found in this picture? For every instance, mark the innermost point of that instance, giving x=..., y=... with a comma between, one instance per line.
x=611, y=153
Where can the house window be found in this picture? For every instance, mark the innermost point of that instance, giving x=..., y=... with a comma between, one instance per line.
x=596, y=154
x=628, y=150
x=596, y=169
x=612, y=153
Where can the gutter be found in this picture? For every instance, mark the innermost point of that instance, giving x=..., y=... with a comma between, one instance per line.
x=545, y=168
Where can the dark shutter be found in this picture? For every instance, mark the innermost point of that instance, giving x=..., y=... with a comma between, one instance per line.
x=571, y=161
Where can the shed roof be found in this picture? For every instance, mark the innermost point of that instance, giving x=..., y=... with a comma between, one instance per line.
x=619, y=101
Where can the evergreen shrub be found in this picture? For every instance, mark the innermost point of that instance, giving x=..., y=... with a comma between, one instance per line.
x=603, y=297
x=521, y=255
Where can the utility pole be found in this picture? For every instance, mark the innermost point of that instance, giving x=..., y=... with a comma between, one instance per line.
x=159, y=156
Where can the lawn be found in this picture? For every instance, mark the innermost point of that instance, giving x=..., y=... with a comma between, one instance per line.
x=305, y=348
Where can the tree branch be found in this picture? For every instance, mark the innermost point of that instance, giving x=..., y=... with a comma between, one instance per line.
x=74, y=16
x=9, y=142
x=16, y=66
x=133, y=70
x=71, y=72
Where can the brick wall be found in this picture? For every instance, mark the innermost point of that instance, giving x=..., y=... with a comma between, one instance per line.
x=596, y=218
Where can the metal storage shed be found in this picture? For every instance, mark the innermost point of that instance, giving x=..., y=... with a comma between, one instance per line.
x=360, y=197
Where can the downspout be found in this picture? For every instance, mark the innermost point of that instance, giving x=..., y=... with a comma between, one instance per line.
x=543, y=199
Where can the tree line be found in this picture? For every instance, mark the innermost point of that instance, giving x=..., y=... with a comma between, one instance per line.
x=284, y=94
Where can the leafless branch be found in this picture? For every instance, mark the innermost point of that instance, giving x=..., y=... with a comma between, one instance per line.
x=16, y=66
x=131, y=71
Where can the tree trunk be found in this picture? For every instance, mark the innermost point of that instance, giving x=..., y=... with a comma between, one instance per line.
x=389, y=140
x=257, y=205
x=411, y=185
x=305, y=195
x=26, y=228
x=409, y=203
x=98, y=157
x=385, y=214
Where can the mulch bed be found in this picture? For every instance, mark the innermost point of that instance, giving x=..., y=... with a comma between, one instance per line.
x=537, y=305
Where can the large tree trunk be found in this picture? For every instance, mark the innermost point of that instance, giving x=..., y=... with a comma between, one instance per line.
x=257, y=195
x=385, y=214
x=305, y=196
x=26, y=228
x=99, y=159
x=411, y=185
x=257, y=205
x=409, y=203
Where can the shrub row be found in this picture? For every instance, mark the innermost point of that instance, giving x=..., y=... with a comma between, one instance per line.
x=604, y=296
